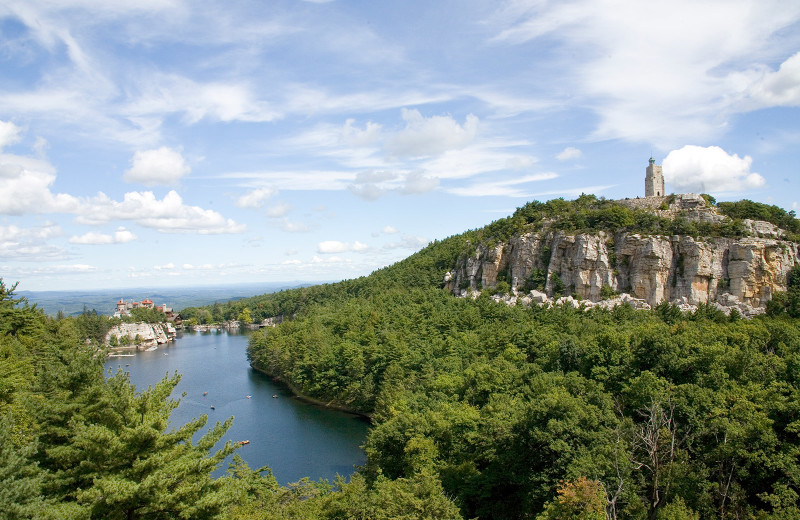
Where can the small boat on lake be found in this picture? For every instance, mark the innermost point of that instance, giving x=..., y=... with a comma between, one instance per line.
x=241, y=443
x=205, y=393
x=212, y=407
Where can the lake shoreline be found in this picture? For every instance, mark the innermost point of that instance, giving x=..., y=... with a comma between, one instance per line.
x=296, y=438
x=295, y=393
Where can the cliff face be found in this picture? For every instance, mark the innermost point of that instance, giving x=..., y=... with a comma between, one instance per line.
x=678, y=269
x=142, y=335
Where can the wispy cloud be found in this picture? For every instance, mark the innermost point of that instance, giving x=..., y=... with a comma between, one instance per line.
x=335, y=246
x=660, y=72
x=502, y=188
x=30, y=244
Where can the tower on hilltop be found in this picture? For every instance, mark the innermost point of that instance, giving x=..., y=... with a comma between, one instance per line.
x=654, y=180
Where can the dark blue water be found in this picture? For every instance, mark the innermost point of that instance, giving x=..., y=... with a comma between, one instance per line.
x=294, y=438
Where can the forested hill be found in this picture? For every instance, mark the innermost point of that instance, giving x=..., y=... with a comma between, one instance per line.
x=521, y=411
x=586, y=214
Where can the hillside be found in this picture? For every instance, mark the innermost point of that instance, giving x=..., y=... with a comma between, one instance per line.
x=509, y=408
x=678, y=249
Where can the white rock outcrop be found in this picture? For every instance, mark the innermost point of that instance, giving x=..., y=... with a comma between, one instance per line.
x=141, y=335
x=740, y=273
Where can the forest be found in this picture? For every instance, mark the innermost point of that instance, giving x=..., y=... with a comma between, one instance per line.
x=479, y=409
x=654, y=414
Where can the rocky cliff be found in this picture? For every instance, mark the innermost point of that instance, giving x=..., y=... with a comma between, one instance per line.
x=140, y=335
x=680, y=269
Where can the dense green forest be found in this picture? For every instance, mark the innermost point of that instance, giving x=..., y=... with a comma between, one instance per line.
x=671, y=415
x=522, y=412
x=479, y=409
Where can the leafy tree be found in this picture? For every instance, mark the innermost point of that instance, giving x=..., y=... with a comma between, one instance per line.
x=582, y=499
x=244, y=316
x=146, y=315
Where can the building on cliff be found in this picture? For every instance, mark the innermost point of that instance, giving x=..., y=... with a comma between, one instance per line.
x=124, y=308
x=654, y=180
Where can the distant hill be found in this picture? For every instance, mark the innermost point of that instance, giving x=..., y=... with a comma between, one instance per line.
x=72, y=303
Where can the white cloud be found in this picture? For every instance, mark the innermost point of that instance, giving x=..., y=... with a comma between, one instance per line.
x=123, y=236
x=292, y=180
x=291, y=226
x=408, y=242
x=350, y=135
x=209, y=267
x=371, y=185
x=389, y=230
x=22, y=272
x=92, y=238
x=485, y=157
x=334, y=246
x=501, y=188
x=120, y=236
x=162, y=94
x=9, y=133
x=709, y=170
x=329, y=260
x=423, y=137
x=161, y=167
x=168, y=215
x=780, y=88
x=25, y=188
x=278, y=210
x=416, y=183
x=255, y=198
x=664, y=72
x=569, y=153
x=29, y=243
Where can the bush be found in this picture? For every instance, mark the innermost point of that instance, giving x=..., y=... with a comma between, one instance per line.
x=558, y=285
x=607, y=292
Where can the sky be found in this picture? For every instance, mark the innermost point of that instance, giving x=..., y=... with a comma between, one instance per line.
x=183, y=143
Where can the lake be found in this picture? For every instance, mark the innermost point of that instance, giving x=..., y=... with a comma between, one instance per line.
x=294, y=438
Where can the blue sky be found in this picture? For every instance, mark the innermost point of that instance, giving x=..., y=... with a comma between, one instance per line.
x=170, y=142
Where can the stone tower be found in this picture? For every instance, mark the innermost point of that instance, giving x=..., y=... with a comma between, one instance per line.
x=654, y=180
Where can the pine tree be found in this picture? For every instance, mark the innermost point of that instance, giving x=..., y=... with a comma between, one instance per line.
x=20, y=477
x=118, y=460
